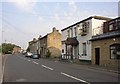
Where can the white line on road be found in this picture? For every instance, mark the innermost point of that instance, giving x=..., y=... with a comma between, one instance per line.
x=21, y=80
x=74, y=78
x=47, y=67
x=29, y=60
x=35, y=62
x=24, y=58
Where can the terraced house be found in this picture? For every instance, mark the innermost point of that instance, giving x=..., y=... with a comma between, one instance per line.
x=75, y=38
x=106, y=47
x=51, y=43
x=33, y=46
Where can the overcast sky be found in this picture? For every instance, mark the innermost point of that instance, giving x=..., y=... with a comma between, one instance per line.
x=23, y=20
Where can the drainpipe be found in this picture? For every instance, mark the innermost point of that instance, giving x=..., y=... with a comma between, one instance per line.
x=71, y=52
x=66, y=50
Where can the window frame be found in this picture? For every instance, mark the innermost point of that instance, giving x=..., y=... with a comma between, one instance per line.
x=84, y=49
x=116, y=47
x=111, y=27
x=75, y=30
x=68, y=33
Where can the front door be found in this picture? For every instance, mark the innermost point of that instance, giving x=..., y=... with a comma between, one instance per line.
x=97, y=56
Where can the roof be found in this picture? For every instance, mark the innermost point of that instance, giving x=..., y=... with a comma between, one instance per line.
x=106, y=35
x=96, y=17
x=72, y=41
x=44, y=36
x=115, y=19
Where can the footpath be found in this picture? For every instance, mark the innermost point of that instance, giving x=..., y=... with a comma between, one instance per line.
x=96, y=67
x=0, y=67
x=2, y=64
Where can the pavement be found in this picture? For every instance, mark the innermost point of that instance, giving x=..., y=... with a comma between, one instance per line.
x=109, y=69
x=0, y=68
x=2, y=65
x=96, y=67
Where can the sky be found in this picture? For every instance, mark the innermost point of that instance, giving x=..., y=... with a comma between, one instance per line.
x=23, y=20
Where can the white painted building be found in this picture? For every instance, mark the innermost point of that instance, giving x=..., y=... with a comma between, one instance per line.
x=69, y=42
x=75, y=38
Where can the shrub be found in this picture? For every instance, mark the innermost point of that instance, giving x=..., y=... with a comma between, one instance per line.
x=48, y=54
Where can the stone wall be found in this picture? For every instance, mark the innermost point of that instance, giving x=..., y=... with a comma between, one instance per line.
x=54, y=43
x=104, y=46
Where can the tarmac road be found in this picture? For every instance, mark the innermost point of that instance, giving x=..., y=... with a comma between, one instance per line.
x=21, y=69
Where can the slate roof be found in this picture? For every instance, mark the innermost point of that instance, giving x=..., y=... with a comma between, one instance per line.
x=106, y=35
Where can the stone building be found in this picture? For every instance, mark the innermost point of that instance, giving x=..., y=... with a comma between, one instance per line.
x=33, y=46
x=16, y=49
x=51, y=42
x=106, y=47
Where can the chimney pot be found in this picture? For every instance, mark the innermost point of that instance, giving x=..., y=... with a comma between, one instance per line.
x=54, y=29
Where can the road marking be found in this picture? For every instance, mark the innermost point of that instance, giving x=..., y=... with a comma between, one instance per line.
x=47, y=67
x=21, y=80
x=74, y=78
x=29, y=60
x=35, y=62
x=24, y=58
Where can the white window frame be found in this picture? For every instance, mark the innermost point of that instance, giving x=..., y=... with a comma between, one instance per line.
x=84, y=49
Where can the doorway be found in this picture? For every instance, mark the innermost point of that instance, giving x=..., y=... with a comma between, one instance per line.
x=97, y=56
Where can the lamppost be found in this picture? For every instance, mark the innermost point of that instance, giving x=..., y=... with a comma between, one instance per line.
x=2, y=58
x=2, y=35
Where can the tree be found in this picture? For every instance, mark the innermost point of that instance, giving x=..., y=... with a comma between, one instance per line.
x=0, y=49
x=7, y=48
x=48, y=54
x=28, y=49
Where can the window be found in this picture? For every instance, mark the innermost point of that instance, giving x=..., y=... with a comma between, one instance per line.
x=71, y=32
x=62, y=50
x=119, y=25
x=84, y=49
x=116, y=25
x=75, y=29
x=85, y=26
x=111, y=27
x=68, y=32
x=115, y=51
x=80, y=29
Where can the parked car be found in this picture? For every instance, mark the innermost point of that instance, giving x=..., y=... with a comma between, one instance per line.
x=28, y=54
x=35, y=56
x=24, y=52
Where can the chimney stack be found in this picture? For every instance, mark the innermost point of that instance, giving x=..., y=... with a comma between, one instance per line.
x=54, y=29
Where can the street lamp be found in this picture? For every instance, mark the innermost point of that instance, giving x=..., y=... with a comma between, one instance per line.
x=2, y=35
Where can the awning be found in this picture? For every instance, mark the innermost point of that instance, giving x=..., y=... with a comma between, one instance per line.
x=72, y=41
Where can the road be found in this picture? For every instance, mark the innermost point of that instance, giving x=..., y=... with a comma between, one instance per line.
x=21, y=69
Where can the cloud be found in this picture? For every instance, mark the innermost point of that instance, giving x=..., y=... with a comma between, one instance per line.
x=72, y=5
x=43, y=25
x=26, y=5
